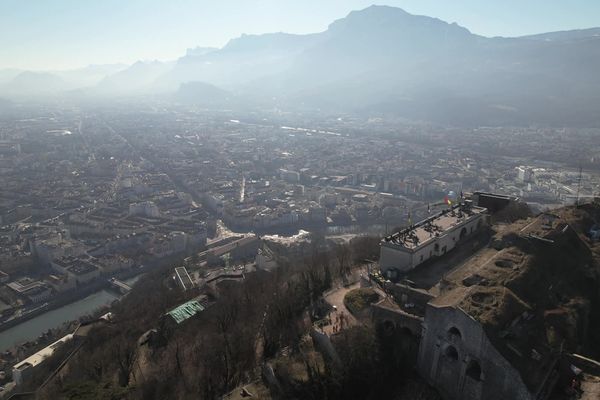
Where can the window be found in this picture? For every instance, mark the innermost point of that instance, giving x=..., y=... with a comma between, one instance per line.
x=474, y=370
x=388, y=327
x=454, y=333
x=451, y=353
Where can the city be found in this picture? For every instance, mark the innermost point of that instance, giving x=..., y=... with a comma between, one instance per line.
x=388, y=207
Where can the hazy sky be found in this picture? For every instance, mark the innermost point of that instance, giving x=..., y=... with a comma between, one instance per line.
x=59, y=34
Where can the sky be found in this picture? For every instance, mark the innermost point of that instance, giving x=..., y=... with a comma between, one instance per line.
x=66, y=34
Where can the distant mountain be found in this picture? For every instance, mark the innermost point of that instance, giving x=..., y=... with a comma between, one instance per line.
x=139, y=78
x=201, y=93
x=385, y=60
x=242, y=60
x=378, y=42
x=577, y=34
x=6, y=75
x=30, y=83
x=380, y=60
x=90, y=75
x=200, y=51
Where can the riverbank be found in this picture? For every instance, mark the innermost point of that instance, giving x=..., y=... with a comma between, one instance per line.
x=74, y=305
x=58, y=301
x=30, y=330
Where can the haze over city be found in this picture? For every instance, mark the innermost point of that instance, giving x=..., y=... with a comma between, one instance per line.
x=300, y=200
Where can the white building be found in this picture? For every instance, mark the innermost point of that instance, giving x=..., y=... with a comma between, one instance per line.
x=524, y=174
x=433, y=237
x=22, y=370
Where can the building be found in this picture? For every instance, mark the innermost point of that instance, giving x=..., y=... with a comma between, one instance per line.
x=458, y=357
x=432, y=237
x=524, y=174
x=492, y=201
x=243, y=249
x=265, y=259
x=114, y=262
x=214, y=202
x=34, y=291
x=83, y=272
x=498, y=326
x=181, y=314
x=55, y=245
x=22, y=371
x=289, y=176
x=144, y=208
x=79, y=270
x=183, y=279
x=61, y=282
x=170, y=244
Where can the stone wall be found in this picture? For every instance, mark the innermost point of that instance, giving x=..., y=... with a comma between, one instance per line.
x=404, y=295
x=457, y=358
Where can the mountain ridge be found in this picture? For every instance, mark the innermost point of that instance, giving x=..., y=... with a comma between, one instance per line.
x=383, y=59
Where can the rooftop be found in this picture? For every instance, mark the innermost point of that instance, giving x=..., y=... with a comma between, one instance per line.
x=421, y=233
x=27, y=286
x=184, y=278
x=81, y=267
x=40, y=356
x=185, y=311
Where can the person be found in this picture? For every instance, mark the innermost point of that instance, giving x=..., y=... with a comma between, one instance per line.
x=576, y=387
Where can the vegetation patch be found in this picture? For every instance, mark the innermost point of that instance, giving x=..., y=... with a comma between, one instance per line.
x=358, y=300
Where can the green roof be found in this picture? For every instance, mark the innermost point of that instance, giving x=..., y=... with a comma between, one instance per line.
x=185, y=311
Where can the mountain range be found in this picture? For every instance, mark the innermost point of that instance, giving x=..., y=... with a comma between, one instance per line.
x=380, y=60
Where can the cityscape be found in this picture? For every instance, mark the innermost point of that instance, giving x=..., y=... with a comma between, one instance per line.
x=157, y=246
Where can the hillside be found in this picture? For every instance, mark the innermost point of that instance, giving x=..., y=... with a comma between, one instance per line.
x=261, y=326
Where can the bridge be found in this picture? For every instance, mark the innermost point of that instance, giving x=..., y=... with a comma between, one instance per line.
x=120, y=286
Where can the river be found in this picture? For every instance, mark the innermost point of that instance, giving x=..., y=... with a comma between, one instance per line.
x=30, y=330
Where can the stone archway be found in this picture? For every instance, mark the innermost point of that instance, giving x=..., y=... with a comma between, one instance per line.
x=454, y=333
x=474, y=370
x=451, y=353
x=388, y=327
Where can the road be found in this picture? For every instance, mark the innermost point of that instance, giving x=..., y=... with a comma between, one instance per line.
x=342, y=316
